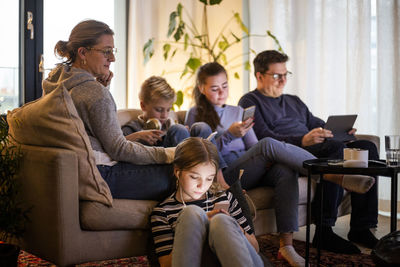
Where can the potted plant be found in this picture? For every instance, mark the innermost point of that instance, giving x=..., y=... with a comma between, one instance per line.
x=185, y=37
x=13, y=216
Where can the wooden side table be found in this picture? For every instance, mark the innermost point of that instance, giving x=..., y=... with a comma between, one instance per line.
x=321, y=167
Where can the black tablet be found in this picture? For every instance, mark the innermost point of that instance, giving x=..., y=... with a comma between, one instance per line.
x=340, y=125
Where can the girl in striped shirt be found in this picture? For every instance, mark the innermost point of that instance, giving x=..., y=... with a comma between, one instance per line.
x=197, y=212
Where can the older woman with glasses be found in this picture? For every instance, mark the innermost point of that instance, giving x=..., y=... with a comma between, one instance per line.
x=131, y=170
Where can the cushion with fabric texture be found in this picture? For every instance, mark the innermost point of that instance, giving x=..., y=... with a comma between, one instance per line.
x=125, y=214
x=52, y=121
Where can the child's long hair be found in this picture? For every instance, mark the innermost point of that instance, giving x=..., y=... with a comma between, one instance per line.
x=193, y=151
x=205, y=110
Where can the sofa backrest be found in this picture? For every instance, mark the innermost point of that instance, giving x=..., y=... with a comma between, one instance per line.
x=126, y=115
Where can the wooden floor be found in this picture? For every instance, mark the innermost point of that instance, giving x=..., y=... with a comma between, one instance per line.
x=342, y=228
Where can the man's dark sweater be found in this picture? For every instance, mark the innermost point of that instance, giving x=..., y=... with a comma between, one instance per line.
x=285, y=118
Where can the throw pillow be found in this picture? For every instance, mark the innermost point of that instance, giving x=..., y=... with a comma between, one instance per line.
x=52, y=121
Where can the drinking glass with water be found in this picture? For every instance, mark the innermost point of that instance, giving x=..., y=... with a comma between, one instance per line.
x=392, y=147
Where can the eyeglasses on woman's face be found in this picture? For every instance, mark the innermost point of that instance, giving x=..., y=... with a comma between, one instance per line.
x=107, y=52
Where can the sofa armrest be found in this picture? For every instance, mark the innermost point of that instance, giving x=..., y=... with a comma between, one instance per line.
x=49, y=184
x=373, y=138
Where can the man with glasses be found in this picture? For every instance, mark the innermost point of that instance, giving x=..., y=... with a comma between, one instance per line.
x=286, y=118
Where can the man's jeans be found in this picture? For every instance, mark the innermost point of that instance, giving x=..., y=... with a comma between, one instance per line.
x=129, y=181
x=364, y=211
x=276, y=164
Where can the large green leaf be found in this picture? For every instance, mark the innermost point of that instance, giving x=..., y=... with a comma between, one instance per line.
x=173, y=53
x=184, y=72
x=223, y=45
x=241, y=24
x=215, y=2
x=179, y=31
x=179, y=9
x=172, y=23
x=166, y=48
x=223, y=59
x=247, y=66
x=148, y=50
x=211, y=2
x=237, y=39
x=179, y=99
x=193, y=63
x=276, y=41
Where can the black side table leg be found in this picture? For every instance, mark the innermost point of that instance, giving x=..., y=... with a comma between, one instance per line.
x=308, y=219
x=321, y=195
x=393, y=208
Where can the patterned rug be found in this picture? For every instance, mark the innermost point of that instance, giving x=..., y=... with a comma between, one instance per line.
x=25, y=259
x=269, y=245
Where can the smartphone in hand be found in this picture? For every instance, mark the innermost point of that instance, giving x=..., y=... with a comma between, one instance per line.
x=248, y=113
x=222, y=205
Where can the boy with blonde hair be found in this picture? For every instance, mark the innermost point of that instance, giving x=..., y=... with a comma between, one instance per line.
x=155, y=126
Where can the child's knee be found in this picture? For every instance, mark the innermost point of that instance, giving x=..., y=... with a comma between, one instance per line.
x=200, y=129
x=178, y=129
x=193, y=211
x=221, y=222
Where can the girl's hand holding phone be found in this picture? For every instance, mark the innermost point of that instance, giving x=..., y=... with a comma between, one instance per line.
x=240, y=128
x=211, y=214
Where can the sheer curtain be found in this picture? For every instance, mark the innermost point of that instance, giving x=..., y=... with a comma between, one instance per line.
x=388, y=79
x=328, y=43
x=335, y=68
x=388, y=66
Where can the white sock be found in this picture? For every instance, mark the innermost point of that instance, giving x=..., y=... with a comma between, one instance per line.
x=358, y=183
x=291, y=256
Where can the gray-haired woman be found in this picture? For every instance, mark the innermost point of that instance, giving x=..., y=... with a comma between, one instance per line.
x=131, y=170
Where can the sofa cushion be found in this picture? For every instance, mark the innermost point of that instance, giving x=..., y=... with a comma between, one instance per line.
x=263, y=197
x=52, y=121
x=125, y=214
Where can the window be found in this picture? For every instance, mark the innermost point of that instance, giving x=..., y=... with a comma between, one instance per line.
x=9, y=54
x=52, y=20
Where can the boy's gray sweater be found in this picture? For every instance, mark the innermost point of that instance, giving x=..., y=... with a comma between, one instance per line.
x=97, y=109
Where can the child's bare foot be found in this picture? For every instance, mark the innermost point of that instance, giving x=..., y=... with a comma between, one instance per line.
x=289, y=254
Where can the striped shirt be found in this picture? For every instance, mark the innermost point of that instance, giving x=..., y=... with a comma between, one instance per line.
x=165, y=214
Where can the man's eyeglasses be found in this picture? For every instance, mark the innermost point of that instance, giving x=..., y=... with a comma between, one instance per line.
x=277, y=76
x=106, y=52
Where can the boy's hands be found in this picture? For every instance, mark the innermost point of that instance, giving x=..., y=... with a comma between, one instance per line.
x=151, y=137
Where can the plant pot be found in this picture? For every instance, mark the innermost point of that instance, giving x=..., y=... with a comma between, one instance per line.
x=9, y=255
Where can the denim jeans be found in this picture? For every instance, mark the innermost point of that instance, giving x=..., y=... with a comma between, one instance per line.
x=129, y=181
x=224, y=236
x=175, y=134
x=276, y=164
x=364, y=211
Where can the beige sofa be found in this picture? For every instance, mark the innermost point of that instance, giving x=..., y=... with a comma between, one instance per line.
x=66, y=231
